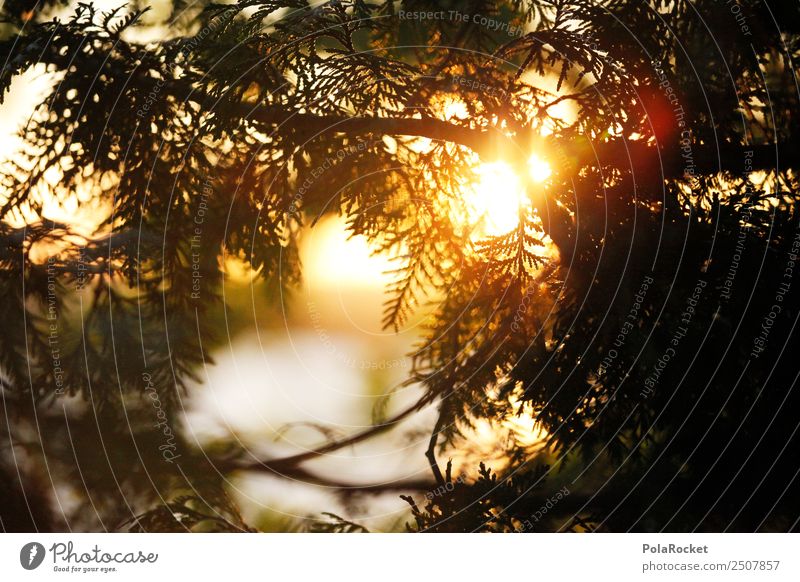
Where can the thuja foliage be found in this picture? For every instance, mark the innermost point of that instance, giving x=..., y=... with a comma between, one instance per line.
x=627, y=309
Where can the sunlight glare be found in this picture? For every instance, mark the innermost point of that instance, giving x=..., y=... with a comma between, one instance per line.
x=483, y=442
x=496, y=198
x=333, y=257
x=538, y=168
x=498, y=195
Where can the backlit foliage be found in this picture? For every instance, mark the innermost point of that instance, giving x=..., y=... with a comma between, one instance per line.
x=230, y=112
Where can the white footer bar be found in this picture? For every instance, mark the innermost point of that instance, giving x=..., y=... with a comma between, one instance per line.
x=407, y=557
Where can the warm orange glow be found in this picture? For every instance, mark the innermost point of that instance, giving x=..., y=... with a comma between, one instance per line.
x=538, y=169
x=496, y=199
x=455, y=109
x=486, y=441
x=336, y=259
x=498, y=196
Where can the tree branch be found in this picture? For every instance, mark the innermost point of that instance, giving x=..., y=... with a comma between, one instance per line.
x=345, y=488
x=493, y=144
x=284, y=464
x=430, y=453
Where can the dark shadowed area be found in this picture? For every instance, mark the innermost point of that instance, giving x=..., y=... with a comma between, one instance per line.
x=346, y=266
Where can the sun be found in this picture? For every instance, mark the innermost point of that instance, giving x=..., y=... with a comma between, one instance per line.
x=496, y=198
x=538, y=168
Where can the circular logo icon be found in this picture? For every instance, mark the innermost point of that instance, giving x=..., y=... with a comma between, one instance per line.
x=31, y=555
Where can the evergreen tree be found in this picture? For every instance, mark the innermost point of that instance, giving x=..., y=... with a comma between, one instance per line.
x=644, y=306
